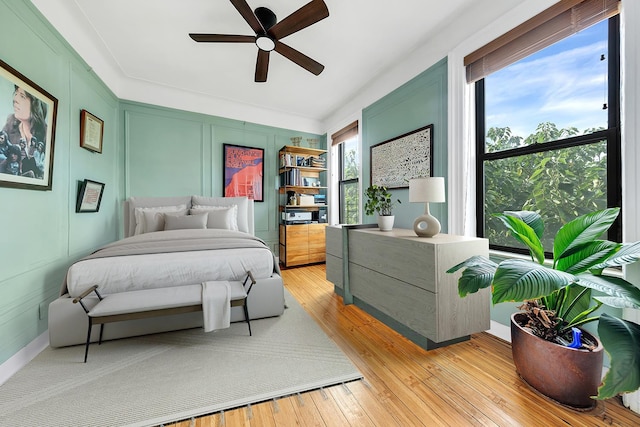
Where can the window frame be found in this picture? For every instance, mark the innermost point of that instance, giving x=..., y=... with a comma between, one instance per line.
x=342, y=182
x=612, y=135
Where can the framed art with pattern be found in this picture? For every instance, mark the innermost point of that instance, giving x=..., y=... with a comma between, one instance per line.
x=395, y=161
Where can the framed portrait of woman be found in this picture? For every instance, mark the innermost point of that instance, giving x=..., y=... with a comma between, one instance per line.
x=27, y=120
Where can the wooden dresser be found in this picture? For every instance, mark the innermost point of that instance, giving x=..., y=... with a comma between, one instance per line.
x=401, y=279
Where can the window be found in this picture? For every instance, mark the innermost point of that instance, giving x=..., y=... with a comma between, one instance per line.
x=345, y=144
x=548, y=135
x=348, y=182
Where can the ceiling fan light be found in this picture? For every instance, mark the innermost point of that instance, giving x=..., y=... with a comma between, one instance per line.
x=265, y=43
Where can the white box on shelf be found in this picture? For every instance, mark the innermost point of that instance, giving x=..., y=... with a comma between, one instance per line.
x=306, y=200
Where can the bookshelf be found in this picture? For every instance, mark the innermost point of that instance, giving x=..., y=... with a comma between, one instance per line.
x=302, y=205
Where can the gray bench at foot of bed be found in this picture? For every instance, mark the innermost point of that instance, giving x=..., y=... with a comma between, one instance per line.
x=147, y=303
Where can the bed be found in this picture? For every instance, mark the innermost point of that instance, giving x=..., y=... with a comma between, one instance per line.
x=168, y=242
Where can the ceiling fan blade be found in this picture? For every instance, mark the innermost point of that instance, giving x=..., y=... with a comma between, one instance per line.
x=262, y=65
x=299, y=58
x=222, y=38
x=248, y=15
x=308, y=14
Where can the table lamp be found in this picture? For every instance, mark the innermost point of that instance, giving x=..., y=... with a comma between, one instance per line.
x=426, y=190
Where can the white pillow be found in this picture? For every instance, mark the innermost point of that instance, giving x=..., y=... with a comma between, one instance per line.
x=152, y=219
x=241, y=202
x=225, y=217
x=182, y=222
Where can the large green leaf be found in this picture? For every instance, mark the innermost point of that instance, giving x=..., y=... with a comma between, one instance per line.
x=524, y=234
x=628, y=254
x=621, y=340
x=617, y=302
x=531, y=218
x=624, y=293
x=583, y=317
x=571, y=303
x=519, y=280
x=587, y=256
x=582, y=230
x=478, y=274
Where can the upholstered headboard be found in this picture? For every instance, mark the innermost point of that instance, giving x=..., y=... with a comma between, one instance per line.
x=245, y=208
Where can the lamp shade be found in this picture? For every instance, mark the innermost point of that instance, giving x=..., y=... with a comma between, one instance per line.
x=427, y=190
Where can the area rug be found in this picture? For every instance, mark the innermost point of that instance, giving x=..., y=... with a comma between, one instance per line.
x=173, y=376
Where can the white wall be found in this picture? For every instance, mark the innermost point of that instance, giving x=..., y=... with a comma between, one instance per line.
x=630, y=147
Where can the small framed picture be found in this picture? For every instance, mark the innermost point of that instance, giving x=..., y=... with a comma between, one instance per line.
x=89, y=196
x=91, y=132
x=311, y=182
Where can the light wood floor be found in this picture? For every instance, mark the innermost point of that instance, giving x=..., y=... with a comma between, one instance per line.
x=470, y=383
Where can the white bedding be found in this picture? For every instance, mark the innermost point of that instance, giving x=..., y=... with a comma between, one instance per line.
x=143, y=271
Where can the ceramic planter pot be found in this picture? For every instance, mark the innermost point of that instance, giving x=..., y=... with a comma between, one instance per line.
x=385, y=223
x=567, y=375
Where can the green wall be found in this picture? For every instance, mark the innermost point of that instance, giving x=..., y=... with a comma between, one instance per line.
x=147, y=151
x=419, y=102
x=170, y=153
x=41, y=233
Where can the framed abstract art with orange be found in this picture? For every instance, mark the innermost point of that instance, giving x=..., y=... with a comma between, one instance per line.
x=243, y=172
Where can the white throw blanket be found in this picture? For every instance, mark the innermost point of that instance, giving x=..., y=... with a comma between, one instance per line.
x=216, y=309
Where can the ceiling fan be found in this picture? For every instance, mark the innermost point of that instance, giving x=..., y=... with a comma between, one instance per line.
x=269, y=32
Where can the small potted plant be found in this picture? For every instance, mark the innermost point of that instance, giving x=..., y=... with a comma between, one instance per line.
x=550, y=351
x=379, y=201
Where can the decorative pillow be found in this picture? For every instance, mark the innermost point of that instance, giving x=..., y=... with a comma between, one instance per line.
x=152, y=219
x=241, y=202
x=224, y=217
x=182, y=222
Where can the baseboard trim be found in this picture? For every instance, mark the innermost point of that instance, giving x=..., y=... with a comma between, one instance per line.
x=501, y=331
x=24, y=356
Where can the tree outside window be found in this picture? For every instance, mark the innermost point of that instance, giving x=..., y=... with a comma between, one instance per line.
x=348, y=183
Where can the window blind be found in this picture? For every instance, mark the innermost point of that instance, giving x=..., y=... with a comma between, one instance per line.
x=555, y=23
x=345, y=133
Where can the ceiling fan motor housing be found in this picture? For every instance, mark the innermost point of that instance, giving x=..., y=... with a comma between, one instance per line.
x=266, y=17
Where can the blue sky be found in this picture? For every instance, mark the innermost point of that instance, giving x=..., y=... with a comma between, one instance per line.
x=546, y=86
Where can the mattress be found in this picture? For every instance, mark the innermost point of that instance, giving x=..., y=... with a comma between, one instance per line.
x=171, y=258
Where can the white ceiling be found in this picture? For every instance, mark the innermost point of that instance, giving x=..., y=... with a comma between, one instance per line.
x=140, y=46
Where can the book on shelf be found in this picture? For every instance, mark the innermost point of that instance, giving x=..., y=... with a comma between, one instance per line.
x=291, y=177
x=317, y=162
x=286, y=160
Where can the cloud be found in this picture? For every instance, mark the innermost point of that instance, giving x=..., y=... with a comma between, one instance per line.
x=564, y=84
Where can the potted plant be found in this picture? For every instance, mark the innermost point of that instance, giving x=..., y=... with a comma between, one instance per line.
x=557, y=300
x=379, y=200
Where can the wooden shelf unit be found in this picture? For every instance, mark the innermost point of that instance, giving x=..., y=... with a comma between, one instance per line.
x=302, y=240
